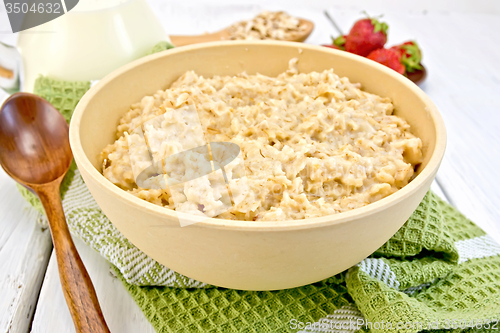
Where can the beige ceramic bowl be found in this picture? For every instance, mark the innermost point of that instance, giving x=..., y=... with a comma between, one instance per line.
x=251, y=255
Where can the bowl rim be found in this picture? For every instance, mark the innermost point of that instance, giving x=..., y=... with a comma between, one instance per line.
x=286, y=225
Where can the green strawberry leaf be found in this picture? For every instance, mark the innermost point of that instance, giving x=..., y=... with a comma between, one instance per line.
x=339, y=41
x=412, y=57
x=379, y=26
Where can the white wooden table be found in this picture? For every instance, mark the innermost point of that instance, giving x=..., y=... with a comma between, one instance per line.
x=461, y=52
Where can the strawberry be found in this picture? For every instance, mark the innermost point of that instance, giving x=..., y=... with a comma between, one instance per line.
x=389, y=58
x=411, y=55
x=366, y=35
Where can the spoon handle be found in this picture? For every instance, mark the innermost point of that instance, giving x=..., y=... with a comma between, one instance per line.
x=76, y=284
x=195, y=39
x=6, y=73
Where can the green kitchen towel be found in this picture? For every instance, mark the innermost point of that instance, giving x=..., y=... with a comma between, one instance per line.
x=438, y=272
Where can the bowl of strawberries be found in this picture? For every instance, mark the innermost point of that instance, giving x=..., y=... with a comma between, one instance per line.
x=368, y=37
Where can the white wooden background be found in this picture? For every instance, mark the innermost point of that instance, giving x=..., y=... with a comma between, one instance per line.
x=461, y=42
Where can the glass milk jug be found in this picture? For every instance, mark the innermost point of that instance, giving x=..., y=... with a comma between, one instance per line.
x=90, y=41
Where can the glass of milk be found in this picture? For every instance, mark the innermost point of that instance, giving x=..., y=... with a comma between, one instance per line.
x=90, y=41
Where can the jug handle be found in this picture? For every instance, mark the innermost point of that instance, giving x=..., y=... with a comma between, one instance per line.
x=10, y=69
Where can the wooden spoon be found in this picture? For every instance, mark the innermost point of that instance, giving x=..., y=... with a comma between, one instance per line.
x=224, y=35
x=35, y=151
x=6, y=73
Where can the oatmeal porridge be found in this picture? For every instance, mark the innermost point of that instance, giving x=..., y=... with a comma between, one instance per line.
x=310, y=144
x=267, y=25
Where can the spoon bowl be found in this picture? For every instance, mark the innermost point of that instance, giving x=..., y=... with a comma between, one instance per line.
x=31, y=130
x=35, y=151
x=224, y=35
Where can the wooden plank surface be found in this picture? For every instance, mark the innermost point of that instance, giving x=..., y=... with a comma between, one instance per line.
x=25, y=248
x=120, y=311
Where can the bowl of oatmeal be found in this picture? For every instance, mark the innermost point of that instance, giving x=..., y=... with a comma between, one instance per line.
x=257, y=165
